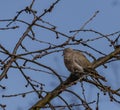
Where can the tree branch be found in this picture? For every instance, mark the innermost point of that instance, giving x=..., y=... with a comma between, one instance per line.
x=70, y=82
x=103, y=60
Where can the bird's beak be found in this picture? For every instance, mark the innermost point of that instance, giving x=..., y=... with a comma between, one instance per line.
x=63, y=53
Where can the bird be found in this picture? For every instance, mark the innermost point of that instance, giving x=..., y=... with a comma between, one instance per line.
x=77, y=63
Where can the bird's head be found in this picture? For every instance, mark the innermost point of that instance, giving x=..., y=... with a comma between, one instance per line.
x=67, y=50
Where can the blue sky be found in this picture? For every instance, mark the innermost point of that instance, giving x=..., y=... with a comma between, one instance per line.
x=67, y=15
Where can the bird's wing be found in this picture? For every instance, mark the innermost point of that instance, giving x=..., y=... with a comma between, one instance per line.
x=81, y=59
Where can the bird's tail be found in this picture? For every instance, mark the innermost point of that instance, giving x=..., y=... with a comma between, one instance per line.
x=93, y=73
